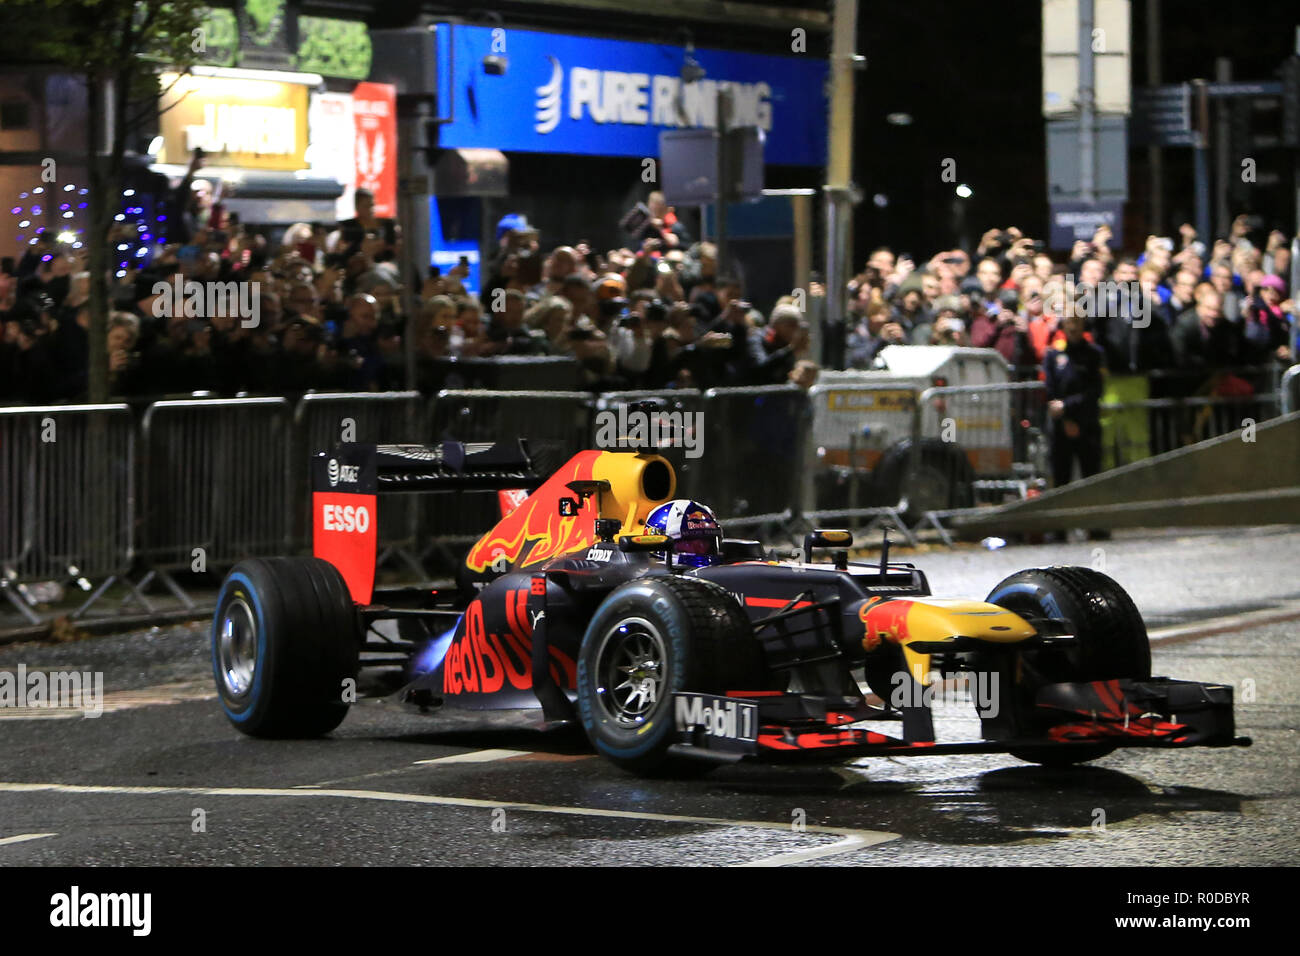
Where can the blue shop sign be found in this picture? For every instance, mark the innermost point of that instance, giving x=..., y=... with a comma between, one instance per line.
x=567, y=94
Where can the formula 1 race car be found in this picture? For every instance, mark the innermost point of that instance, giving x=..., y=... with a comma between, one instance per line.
x=601, y=599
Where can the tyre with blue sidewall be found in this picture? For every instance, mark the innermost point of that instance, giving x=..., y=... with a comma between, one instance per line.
x=304, y=646
x=709, y=647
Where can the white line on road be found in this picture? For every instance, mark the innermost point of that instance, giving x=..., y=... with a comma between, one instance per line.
x=816, y=852
x=855, y=839
x=476, y=756
x=1288, y=611
x=24, y=837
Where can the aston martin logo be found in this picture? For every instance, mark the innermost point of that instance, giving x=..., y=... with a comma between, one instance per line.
x=548, y=99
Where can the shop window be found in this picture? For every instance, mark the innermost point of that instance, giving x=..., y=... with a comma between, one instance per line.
x=15, y=114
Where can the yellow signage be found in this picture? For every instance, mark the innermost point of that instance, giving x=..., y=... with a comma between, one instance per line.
x=256, y=124
x=885, y=400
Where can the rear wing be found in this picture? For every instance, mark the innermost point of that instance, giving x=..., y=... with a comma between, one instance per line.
x=346, y=483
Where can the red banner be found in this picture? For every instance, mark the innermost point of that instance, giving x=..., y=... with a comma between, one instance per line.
x=345, y=532
x=374, y=109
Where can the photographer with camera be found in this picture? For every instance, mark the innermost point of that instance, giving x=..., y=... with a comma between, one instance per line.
x=655, y=220
x=780, y=347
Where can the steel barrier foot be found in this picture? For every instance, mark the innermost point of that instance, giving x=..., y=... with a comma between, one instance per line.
x=137, y=592
x=932, y=518
x=17, y=601
x=891, y=516
x=404, y=557
x=95, y=596
x=177, y=590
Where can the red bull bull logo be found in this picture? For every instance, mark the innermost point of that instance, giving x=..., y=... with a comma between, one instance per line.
x=884, y=621
x=535, y=531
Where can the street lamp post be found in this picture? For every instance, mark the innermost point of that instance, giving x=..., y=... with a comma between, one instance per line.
x=839, y=172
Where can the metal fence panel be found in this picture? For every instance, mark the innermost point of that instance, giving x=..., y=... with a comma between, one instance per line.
x=993, y=425
x=323, y=420
x=976, y=444
x=556, y=425
x=854, y=424
x=687, y=455
x=1289, y=390
x=216, y=475
x=506, y=373
x=68, y=488
x=754, y=441
x=1141, y=429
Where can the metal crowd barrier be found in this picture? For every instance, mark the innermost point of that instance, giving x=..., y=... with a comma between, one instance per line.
x=1140, y=429
x=854, y=426
x=692, y=474
x=226, y=476
x=556, y=425
x=1288, y=390
x=67, y=478
x=974, y=445
x=760, y=433
x=507, y=373
x=321, y=420
x=216, y=477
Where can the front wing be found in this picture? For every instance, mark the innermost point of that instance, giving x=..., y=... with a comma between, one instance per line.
x=1158, y=712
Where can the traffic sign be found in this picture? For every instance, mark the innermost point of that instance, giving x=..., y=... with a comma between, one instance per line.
x=1162, y=115
x=1243, y=88
x=1072, y=221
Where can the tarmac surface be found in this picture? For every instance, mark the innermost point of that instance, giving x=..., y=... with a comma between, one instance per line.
x=162, y=778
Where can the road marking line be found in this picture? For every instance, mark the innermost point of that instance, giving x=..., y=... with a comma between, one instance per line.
x=813, y=853
x=476, y=756
x=24, y=837
x=546, y=757
x=1177, y=633
x=867, y=837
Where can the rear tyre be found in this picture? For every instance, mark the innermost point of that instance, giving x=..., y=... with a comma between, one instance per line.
x=650, y=639
x=284, y=641
x=1110, y=642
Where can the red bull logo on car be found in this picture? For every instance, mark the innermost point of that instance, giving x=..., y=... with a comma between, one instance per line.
x=884, y=621
x=479, y=662
x=535, y=531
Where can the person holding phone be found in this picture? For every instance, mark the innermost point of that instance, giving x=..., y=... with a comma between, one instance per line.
x=366, y=225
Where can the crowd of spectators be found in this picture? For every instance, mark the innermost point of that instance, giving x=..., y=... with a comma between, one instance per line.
x=657, y=313
x=1179, y=305
x=328, y=312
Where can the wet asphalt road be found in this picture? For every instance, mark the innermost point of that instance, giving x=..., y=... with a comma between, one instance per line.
x=161, y=778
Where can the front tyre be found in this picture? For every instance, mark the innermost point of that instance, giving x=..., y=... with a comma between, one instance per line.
x=650, y=639
x=284, y=641
x=1110, y=641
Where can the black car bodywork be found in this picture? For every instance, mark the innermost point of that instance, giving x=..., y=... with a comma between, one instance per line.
x=567, y=606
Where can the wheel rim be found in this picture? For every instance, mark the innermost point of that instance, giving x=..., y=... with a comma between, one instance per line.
x=630, y=669
x=237, y=648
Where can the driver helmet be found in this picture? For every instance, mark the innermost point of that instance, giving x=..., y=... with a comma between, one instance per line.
x=693, y=528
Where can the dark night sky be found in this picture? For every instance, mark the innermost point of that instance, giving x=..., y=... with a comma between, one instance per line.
x=970, y=75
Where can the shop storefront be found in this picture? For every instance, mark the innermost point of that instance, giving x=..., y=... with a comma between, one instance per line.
x=278, y=100
x=579, y=120
x=253, y=129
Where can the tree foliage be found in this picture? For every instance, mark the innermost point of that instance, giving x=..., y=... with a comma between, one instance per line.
x=119, y=47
